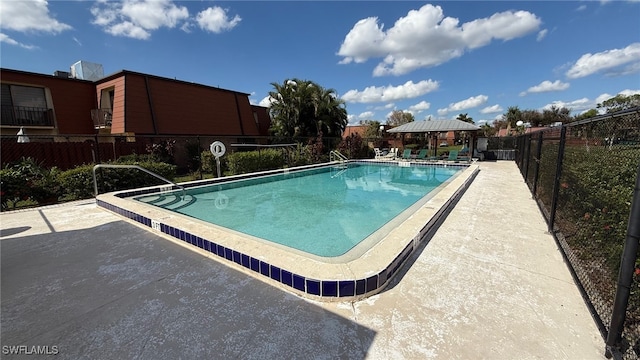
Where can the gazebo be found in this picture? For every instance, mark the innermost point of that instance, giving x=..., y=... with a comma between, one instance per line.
x=433, y=127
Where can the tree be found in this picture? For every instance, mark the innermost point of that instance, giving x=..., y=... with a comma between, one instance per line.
x=512, y=116
x=302, y=108
x=586, y=115
x=533, y=117
x=466, y=118
x=555, y=114
x=486, y=130
x=620, y=102
x=373, y=129
x=399, y=117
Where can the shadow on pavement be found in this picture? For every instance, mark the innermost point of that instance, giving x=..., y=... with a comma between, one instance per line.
x=118, y=291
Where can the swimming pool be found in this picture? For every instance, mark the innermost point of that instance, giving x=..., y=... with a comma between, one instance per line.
x=324, y=212
x=256, y=223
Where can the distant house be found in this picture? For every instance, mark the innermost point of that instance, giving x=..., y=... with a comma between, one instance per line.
x=127, y=104
x=354, y=129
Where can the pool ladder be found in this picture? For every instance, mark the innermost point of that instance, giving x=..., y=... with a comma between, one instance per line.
x=335, y=155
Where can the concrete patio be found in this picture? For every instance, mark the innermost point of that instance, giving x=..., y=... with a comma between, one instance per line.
x=490, y=284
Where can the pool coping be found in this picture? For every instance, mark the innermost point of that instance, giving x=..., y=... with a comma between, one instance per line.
x=305, y=276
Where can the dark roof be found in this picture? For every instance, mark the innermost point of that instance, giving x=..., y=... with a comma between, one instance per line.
x=125, y=72
x=434, y=126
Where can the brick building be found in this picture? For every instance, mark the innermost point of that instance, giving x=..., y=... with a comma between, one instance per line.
x=126, y=103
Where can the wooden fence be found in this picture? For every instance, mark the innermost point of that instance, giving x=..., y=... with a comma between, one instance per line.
x=66, y=155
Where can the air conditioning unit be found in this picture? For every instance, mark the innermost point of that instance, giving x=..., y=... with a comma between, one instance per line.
x=87, y=71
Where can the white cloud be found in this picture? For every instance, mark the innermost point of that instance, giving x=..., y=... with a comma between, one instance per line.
x=266, y=101
x=578, y=105
x=469, y=103
x=26, y=16
x=366, y=115
x=589, y=64
x=385, y=106
x=407, y=90
x=581, y=105
x=351, y=119
x=492, y=109
x=542, y=34
x=419, y=107
x=4, y=38
x=546, y=86
x=216, y=20
x=137, y=18
x=425, y=38
x=629, y=92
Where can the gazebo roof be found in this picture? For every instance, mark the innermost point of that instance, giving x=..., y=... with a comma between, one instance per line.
x=434, y=126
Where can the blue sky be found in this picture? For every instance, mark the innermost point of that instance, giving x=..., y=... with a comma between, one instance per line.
x=435, y=59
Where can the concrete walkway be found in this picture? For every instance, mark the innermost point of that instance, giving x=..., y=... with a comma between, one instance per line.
x=491, y=284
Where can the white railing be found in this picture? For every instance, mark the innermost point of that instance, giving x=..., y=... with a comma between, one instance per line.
x=95, y=181
x=335, y=155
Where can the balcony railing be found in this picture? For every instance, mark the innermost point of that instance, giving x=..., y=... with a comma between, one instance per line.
x=101, y=118
x=26, y=116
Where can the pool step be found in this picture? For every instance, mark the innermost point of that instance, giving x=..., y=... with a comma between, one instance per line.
x=169, y=201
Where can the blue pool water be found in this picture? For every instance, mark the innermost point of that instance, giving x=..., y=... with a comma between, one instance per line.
x=325, y=211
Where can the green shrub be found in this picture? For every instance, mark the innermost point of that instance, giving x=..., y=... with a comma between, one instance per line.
x=209, y=163
x=78, y=182
x=253, y=161
x=26, y=179
x=595, y=194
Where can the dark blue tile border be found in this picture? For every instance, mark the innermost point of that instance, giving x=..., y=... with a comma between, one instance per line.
x=330, y=288
x=313, y=287
x=287, y=278
x=326, y=288
x=298, y=282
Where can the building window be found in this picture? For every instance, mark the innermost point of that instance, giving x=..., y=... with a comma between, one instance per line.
x=25, y=106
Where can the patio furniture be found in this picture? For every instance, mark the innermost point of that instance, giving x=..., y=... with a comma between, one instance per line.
x=422, y=155
x=453, y=156
x=406, y=154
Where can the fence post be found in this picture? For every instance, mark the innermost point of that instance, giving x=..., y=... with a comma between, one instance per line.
x=625, y=275
x=97, y=149
x=556, y=183
x=527, y=156
x=538, y=155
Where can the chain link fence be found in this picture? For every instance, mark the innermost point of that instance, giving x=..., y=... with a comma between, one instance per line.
x=583, y=176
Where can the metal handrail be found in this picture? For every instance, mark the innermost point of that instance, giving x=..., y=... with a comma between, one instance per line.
x=95, y=181
x=336, y=154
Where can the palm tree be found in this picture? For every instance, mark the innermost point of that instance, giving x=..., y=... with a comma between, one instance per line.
x=466, y=118
x=302, y=108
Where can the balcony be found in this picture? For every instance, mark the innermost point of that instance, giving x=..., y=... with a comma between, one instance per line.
x=101, y=118
x=26, y=116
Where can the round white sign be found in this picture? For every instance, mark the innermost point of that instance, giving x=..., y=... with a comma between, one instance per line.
x=218, y=149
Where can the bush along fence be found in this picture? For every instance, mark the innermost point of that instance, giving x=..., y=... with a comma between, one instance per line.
x=585, y=178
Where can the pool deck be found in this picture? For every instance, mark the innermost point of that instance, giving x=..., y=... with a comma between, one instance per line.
x=490, y=284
